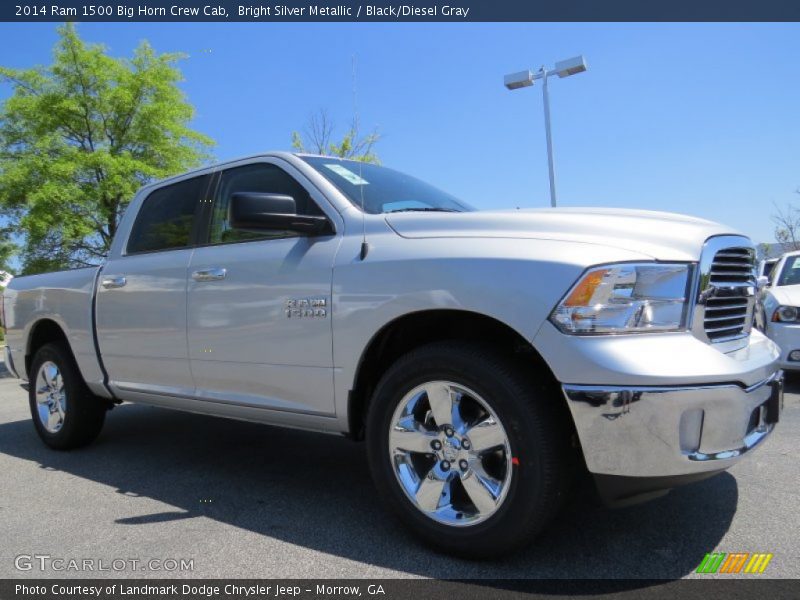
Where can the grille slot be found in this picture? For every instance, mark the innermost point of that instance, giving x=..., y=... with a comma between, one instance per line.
x=728, y=306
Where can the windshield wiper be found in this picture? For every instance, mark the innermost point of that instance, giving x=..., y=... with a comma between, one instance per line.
x=423, y=210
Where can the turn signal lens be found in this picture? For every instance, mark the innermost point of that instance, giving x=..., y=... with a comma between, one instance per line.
x=582, y=294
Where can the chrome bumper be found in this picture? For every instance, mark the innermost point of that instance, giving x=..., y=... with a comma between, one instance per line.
x=672, y=431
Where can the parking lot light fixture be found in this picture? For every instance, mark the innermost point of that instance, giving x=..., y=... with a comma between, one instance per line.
x=571, y=66
x=514, y=81
x=521, y=79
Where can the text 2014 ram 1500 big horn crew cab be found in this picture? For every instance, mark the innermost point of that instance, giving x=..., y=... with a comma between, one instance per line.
x=483, y=356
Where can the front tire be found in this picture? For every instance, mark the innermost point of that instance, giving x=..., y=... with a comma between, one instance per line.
x=65, y=413
x=469, y=451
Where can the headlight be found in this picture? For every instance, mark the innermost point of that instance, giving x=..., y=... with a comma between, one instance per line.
x=785, y=314
x=626, y=298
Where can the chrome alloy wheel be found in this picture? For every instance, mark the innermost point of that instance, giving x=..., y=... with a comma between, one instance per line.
x=51, y=398
x=450, y=453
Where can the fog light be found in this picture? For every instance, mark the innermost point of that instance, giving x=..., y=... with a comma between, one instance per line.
x=794, y=355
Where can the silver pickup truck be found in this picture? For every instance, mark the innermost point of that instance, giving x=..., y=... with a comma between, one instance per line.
x=484, y=357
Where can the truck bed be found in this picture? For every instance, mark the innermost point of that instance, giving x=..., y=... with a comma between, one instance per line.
x=65, y=298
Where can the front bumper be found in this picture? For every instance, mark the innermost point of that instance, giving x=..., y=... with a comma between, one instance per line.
x=669, y=433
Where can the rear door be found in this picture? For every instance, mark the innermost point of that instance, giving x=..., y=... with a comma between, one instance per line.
x=141, y=298
x=259, y=316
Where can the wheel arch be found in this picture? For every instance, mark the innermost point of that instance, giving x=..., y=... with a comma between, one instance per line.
x=415, y=329
x=44, y=331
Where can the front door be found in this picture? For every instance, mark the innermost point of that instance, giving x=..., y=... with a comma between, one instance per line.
x=259, y=303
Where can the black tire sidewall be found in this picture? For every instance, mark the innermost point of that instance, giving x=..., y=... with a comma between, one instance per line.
x=83, y=416
x=509, y=396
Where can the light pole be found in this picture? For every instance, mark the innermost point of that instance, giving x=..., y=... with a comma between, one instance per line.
x=563, y=68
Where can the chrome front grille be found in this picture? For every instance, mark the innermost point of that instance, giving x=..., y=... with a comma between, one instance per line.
x=733, y=265
x=728, y=293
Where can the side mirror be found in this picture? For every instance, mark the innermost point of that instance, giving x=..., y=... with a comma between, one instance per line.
x=259, y=211
x=762, y=282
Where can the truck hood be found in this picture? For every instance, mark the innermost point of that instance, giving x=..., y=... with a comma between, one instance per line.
x=659, y=235
x=786, y=295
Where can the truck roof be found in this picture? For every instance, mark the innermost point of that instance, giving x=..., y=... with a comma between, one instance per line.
x=222, y=164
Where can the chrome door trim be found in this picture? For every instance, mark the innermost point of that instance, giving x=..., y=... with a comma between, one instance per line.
x=116, y=281
x=210, y=274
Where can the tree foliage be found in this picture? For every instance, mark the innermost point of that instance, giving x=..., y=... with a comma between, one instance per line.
x=7, y=249
x=317, y=138
x=79, y=137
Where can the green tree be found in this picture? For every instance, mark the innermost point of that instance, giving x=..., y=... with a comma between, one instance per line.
x=7, y=249
x=317, y=138
x=79, y=137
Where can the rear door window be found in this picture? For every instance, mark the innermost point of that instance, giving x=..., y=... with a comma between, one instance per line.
x=166, y=219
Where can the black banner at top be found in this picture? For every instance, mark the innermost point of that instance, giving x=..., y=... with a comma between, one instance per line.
x=399, y=10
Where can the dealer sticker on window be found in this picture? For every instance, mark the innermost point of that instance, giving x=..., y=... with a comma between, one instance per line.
x=347, y=174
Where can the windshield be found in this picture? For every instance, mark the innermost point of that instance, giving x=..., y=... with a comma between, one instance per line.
x=790, y=273
x=384, y=190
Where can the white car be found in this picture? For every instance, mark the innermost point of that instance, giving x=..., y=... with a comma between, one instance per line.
x=767, y=267
x=779, y=314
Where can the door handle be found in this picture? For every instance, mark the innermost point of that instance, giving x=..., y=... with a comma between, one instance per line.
x=212, y=274
x=114, y=282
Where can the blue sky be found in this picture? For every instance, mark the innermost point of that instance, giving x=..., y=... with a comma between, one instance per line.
x=694, y=118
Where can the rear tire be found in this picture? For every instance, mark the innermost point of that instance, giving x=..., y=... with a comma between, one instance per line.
x=65, y=413
x=490, y=495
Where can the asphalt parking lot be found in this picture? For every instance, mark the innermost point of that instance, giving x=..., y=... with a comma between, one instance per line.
x=244, y=500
